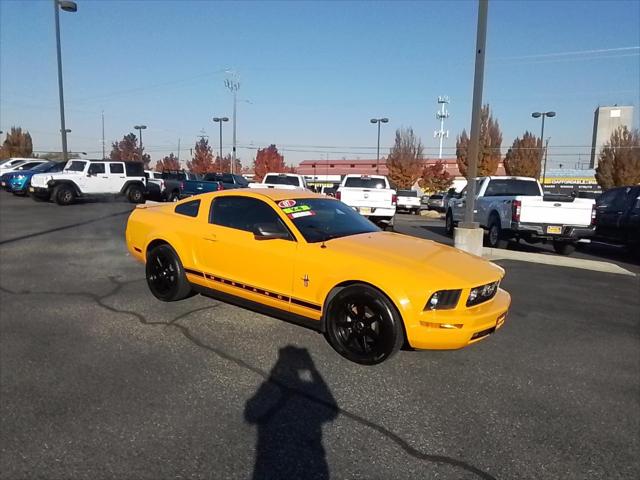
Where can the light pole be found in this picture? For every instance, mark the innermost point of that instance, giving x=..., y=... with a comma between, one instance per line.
x=233, y=84
x=220, y=120
x=140, y=128
x=67, y=6
x=542, y=150
x=378, y=121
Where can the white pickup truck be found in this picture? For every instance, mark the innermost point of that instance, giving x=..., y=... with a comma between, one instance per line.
x=287, y=181
x=515, y=208
x=371, y=195
x=408, y=200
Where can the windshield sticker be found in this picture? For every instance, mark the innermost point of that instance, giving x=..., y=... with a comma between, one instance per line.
x=286, y=203
x=308, y=213
x=299, y=208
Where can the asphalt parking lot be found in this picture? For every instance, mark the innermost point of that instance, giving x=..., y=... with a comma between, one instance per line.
x=98, y=379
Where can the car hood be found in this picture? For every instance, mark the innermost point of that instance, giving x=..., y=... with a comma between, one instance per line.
x=420, y=258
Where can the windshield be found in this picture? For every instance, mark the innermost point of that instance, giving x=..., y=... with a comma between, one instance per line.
x=43, y=167
x=320, y=219
x=282, y=180
x=364, y=182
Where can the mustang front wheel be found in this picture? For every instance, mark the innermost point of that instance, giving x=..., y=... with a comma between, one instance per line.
x=165, y=275
x=363, y=326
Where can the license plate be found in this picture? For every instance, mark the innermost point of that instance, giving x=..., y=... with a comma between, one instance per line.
x=365, y=211
x=2, y=184
x=31, y=189
x=554, y=229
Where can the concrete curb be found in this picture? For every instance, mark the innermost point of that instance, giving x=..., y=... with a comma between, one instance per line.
x=555, y=260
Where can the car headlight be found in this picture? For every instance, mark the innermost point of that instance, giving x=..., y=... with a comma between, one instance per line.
x=20, y=177
x=482, y=293
x=443, y=300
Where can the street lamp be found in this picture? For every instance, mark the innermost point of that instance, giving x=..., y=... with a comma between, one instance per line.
x=220, y=120
x=378, y=121
x=543, y=115
x=67, y=6
x=140, y=128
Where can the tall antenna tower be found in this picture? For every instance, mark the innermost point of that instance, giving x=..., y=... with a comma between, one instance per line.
x=441, y=115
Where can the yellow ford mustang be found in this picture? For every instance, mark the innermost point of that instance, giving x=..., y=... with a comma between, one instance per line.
x=314, y=261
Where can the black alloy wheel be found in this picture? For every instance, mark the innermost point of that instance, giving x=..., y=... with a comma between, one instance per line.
x=363, y=326
x=165, y=275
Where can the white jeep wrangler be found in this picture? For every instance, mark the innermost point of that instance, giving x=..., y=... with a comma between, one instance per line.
x=89, y=178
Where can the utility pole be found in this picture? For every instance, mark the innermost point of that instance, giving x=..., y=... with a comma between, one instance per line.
x=442, y=115
x=103, y=144
x=233, y=84
x=178, y=151
x=469, y=236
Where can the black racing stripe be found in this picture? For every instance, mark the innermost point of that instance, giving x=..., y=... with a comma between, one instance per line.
x=302, y=303
x=260, y=291
x=194, y=272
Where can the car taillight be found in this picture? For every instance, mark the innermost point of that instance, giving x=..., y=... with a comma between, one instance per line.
x=593, y=215
x=338, y=195
x=394, y=199
x=516, y=206
x=220, y=186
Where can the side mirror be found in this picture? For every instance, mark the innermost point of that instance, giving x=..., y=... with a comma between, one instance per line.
x=270, y=231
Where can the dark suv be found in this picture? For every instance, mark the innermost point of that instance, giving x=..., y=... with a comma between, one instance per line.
x=618, y=216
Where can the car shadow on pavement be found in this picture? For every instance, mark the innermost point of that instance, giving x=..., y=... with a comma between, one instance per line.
x=289, y=443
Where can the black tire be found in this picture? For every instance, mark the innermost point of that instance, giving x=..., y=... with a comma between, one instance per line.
x=165, y=275
x=495, y=238
x=362, y=325
x=564, y=248
x=416, y=212
x=448, y=223
x=135, y=194
x=64, y=194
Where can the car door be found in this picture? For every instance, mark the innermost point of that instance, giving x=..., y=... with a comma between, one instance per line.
x=235, y=262
x=117, y=176
x=97, y=180
x=609, y=212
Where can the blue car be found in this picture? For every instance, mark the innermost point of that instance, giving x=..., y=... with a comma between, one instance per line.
x=18, y=182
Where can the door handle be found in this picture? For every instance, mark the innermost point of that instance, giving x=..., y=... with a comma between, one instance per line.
x=105, y=176
x=211, y=238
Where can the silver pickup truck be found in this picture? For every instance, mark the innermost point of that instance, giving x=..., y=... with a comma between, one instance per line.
x=515, y=208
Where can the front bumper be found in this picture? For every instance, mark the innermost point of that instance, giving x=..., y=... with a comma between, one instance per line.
x=541, y=230
x=39, y=191
x=463, y=326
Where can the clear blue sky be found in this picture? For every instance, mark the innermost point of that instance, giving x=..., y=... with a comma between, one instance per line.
x=315, y=73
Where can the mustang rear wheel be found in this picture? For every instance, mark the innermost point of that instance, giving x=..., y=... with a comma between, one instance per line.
x=165, y=275
x=363, y=326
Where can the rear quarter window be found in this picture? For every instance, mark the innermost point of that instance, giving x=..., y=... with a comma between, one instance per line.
x=188, y=209
x=134, y=169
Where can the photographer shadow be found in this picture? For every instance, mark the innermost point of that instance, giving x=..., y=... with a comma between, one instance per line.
x=289, y=441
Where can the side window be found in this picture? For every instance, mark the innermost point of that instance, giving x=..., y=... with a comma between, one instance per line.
x=96, y=168
x=227, y=178
x=116, y=167
x=606, y=198
x=242, y=213
x=190, y=209
x=619, y=200
x=134, y=169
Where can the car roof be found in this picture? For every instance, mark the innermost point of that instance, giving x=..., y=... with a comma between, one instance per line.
x=274, y=194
